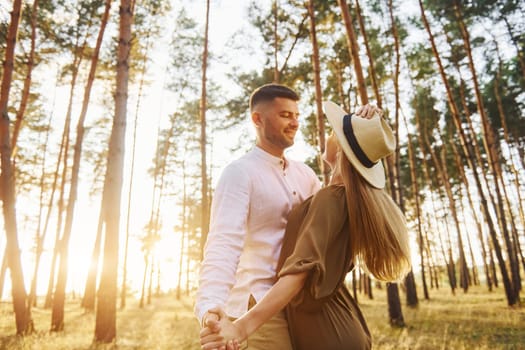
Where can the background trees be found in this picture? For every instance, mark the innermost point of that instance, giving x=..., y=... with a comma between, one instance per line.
x=449, y=75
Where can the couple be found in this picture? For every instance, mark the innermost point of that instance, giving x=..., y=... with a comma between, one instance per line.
x=253, y=294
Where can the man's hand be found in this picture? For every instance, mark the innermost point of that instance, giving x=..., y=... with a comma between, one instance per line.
x=218, y=332
x=211, y=319
x=368, y=111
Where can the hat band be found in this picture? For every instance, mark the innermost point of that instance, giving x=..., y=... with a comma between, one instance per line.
x=354, y=145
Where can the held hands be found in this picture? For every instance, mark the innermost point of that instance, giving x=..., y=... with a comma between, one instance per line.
x=368, y=111
x=219, y=333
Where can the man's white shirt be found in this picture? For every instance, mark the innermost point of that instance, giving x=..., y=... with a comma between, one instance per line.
x=249, y=213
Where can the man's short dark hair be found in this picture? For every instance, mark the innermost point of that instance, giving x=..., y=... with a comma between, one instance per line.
x=268, y=92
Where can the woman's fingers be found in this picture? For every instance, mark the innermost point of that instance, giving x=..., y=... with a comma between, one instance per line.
x=213, y=346
x=368, y=111
x=212, y=339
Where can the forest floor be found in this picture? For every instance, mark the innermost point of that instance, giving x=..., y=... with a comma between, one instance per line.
x=476, y=320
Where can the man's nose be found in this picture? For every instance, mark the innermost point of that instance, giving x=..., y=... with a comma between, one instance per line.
x=294, y=122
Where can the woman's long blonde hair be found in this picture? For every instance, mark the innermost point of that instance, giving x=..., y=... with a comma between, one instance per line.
x=378, y=230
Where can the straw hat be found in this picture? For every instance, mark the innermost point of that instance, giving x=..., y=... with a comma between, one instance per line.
x=364, y=141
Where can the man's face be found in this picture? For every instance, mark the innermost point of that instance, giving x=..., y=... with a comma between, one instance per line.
x=279, y=121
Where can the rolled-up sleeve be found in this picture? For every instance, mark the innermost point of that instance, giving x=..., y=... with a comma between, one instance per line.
x=228, y=226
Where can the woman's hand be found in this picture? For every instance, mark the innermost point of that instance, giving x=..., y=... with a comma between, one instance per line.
x=368, y=111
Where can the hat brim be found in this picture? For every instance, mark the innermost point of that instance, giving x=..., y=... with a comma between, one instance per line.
x=375, y=175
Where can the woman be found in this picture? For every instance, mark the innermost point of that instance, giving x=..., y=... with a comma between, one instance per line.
x=351, y=221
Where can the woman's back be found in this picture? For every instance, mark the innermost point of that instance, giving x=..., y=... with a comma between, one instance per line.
x=323, y=315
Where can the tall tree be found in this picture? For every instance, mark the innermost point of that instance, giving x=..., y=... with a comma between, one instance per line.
x=394, y=304
x=27, y=81
x=325, y=171
x=202, y=114
x=353, y=48
x=105, y=324
x=57, y=316
x=24, y=323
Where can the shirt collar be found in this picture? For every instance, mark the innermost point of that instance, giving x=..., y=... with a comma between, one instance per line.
x=262, y=154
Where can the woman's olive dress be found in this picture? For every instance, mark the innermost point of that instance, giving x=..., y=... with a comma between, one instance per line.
x=323, y=316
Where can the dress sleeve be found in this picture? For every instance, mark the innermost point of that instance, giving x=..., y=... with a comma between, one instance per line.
x=321, y=246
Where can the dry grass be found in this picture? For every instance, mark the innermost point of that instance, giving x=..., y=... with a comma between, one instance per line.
x=477, y=320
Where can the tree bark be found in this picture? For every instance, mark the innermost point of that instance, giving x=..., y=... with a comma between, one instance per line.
x=27, y=82
x=3, y=270
x=318, y=94
x=57, y=317
x=421, y=241
x=23, y=320
x=479, y=228
x=183, y=225
x=275, y=11
x=105, y=324
x=354, y=51
x=40, y=234
x=203, y=143
x=88, y=299
x=394, y=306
x=144, y=278
x=371, y=65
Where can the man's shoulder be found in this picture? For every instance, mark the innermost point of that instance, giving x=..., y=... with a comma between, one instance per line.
x=244, y=162
x=243, y=165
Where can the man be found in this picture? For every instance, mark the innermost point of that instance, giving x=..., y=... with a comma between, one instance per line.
x=248, y=217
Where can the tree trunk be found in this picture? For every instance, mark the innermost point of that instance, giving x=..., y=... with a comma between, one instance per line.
x=88, y=299
x=325, y=171
x=462, y=175
x=144, y=278
x=51, y=282
x=58, y=298
x=150, y=282
x=24, y=323
x=124, y=288
x=203, y=143
x=354, y=285
x=509, y=289
x=418, y=214
x=275, y=11
x=105, y=326
x=57, y=317
x=490, y=144
x=394, y=306
x=354, y=51
x=371, y=65
x=3, y=270
x=40, y=235
x=27, y=82
x=183, y=225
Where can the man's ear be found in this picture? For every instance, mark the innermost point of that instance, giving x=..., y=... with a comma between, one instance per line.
x=256, y=118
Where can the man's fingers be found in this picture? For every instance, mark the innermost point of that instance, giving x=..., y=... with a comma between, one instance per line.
x=210, y=330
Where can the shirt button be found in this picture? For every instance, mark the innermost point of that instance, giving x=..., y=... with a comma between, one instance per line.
x=294, y=193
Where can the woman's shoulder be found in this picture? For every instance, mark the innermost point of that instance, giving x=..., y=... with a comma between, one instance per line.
x=328, y=193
